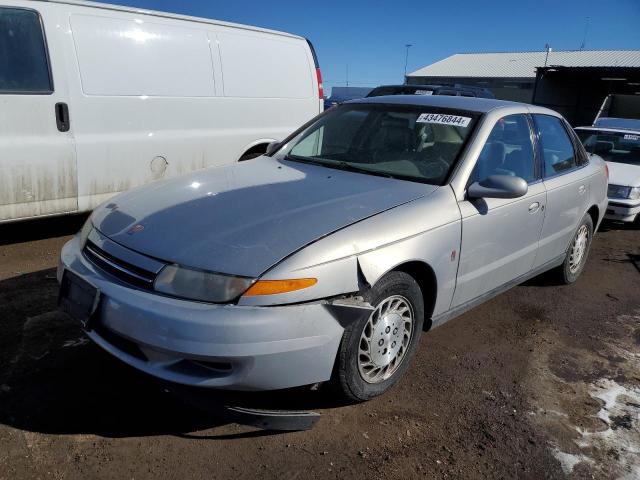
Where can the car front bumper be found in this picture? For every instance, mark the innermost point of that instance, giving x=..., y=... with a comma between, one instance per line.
x=622, y=210
x=217, y=346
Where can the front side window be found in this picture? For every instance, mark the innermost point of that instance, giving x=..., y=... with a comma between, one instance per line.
x=557, y=149
x=418, y=143
x=508, y=151
x=24, y=67
x=619, y=147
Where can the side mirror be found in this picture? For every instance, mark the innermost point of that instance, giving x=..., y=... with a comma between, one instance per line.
x=272, y=147
x=498, y=186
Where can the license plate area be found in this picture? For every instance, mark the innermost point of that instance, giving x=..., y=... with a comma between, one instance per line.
x=79, y=299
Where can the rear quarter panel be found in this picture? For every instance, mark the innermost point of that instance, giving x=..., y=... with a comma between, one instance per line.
x=598, y=187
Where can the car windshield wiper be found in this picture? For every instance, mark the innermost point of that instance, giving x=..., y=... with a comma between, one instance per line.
x=350, y=167
x=339, y=164
x=312, y=161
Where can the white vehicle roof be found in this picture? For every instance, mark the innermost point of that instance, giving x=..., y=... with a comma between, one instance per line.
x=612, y=130
x=155, y=13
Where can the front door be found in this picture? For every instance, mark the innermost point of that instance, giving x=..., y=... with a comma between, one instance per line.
x=500, y=236
x=37, y=154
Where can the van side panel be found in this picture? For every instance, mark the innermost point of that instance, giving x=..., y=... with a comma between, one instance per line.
x=264, y=67
x=147, y=96
x=126, y=57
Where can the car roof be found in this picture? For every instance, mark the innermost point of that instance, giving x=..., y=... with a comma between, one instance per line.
x=473, y=104
x=632, y=131
x=453, y=86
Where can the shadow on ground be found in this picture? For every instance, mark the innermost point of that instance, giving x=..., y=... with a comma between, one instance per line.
x=53, y=380
x=41, y=228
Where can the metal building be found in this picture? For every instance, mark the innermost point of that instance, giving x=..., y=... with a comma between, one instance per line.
x=573, y=82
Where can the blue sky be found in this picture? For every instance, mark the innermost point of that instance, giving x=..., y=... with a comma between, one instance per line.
x=369, y=36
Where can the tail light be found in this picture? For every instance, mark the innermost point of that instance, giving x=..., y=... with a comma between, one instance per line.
x=606, y=169
x=318, y=74
x=320, y=89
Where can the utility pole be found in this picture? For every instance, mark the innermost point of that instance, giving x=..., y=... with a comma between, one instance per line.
x=547, y=47
x=584, y=37
x=406, y=60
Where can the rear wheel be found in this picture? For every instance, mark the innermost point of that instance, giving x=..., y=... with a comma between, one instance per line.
x=376, y=351
x=578, y=251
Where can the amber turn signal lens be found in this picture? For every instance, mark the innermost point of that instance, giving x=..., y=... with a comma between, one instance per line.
x=273, y=287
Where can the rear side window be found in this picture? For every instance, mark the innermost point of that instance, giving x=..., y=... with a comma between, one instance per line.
x=557, y=149
x=508, y=151
x=24, y=67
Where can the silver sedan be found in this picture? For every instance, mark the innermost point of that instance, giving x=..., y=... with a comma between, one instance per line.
x=326, y=258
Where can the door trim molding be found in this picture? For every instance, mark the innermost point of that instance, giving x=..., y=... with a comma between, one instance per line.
x=450, y=314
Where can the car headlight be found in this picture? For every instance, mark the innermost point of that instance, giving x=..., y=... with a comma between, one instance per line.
x=200, y=285
x=84, y=232
x=618, y=191
x=634, y=193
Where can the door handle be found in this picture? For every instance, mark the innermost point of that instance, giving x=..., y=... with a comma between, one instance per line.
x=582, y=189
x=534, y=207
x=62, y=117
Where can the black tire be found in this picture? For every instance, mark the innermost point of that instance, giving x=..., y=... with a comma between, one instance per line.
x=249, y=156
x=566, y=272
x=347, y=377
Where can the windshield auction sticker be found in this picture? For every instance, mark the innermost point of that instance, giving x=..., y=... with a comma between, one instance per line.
x=443, y=119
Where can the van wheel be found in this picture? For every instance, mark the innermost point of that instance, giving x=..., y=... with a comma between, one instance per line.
x=578, y=252
x=376, y=351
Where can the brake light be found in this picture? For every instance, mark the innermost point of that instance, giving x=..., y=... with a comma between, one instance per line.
x=606, y=169
x=320, y=89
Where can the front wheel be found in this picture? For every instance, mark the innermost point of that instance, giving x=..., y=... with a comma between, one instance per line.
x=578, y=252
x=376, y=351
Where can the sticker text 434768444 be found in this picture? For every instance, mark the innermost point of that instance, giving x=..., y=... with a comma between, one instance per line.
x=443, y=119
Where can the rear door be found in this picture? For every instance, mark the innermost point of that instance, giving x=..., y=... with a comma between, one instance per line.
x=500, y=236
x=37, y=155
x=567, y=187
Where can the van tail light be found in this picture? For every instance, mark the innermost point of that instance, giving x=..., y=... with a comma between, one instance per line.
x=606, y=169
x=320, y=88
x=318, y=74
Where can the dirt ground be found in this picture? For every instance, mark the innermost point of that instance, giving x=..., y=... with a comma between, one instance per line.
x=541, y=382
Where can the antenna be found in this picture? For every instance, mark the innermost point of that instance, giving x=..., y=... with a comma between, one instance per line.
x=406, y=60
x=584, y=37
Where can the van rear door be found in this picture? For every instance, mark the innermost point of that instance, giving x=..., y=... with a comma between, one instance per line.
x=37, y=159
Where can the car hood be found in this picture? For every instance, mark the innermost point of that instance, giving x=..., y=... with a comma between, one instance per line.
x=244, y=218
x=624, y=174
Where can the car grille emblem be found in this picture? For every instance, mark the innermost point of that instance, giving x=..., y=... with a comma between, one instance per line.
x=135, y=229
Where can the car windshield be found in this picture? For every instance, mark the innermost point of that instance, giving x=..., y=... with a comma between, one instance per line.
x=417, y=143
x=621, y=147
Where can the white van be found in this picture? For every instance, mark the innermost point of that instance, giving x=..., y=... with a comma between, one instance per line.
x=96, y=99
